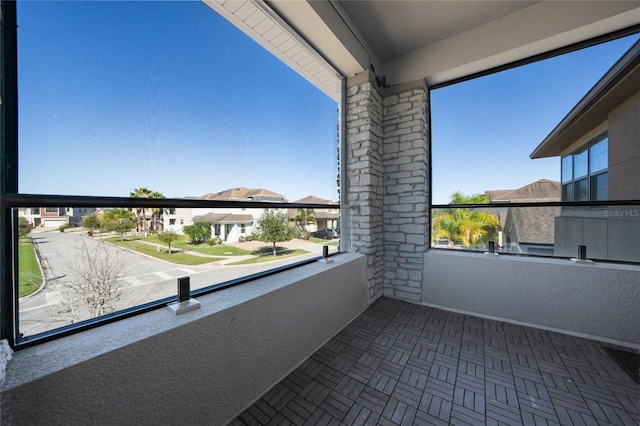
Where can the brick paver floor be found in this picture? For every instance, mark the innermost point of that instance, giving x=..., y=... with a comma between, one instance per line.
x=404, y=364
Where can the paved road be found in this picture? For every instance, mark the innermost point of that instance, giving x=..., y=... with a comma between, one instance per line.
x=145, y=279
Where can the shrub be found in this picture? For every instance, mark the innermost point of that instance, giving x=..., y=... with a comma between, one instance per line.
x=213, y=241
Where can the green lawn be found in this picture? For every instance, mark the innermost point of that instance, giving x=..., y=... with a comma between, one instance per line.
x=29, y=276
x=324, y=242
x=270, y=257
x=174, y=257
x=182, y=244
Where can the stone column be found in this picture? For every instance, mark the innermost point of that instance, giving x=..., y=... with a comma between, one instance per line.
x=364, y=174
x=406, y=188
x=388, y=182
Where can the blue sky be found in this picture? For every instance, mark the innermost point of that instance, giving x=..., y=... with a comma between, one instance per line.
x=166, y=95
x=484, y=129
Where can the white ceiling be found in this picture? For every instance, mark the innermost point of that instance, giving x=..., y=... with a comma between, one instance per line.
x=393, y=28
x=325, y=40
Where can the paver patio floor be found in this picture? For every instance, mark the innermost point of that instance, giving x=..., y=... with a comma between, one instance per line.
x=404, y=364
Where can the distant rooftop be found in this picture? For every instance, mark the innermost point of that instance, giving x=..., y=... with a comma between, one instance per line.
x=242, y=193
x=538, y=191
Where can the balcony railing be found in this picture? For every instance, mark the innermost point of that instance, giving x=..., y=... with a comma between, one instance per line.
x=608, y=231
x=67, y=277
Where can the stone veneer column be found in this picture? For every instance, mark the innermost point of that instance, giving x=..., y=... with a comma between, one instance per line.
x=364, y=174
x=406, y=188
x=388, y=182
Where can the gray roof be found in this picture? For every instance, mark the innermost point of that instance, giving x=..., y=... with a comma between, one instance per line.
x=533, y=225
x=312, y=199
x=538, y=191
x=224, y=218
x=242, y=193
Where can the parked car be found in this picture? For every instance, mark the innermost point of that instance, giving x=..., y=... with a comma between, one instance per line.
x=325, y=234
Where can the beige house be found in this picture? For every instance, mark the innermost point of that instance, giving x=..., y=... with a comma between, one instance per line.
x=598, y=145
x=324, y=218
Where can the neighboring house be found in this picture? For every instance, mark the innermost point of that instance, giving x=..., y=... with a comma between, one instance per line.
x=325, y=218
x=600, y=160
x=527, y=230
x=53, y=217
x=228, y=224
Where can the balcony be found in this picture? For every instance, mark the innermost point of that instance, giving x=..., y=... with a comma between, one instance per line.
x=392, y=330
x=399, y=363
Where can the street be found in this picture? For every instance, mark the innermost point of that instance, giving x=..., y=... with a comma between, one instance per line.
x=143, y=279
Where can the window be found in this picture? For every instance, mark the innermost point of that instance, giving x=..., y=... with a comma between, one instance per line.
x=584, y=172
x=513, y=142
x=139, y=116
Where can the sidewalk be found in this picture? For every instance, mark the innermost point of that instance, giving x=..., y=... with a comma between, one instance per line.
x=249, y=246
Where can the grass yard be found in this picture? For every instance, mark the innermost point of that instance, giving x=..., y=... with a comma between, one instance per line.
x=218, y=250
x=163, y=254
x=270, y=257
x=29, y=276
x=315, y=240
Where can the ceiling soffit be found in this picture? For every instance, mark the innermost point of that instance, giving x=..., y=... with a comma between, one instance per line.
x=411, y=40
x=259, y=22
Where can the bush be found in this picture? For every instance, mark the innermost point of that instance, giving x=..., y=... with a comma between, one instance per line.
x=296, y=232
x=61, y=228
x=213, y=241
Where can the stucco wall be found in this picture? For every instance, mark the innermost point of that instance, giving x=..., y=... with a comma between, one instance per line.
x=624, y=150
x=202, y=367
x=599, y=301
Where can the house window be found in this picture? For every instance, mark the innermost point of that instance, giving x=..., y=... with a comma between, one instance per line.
x=584, y=172
x=51, y=210
x=243, y=228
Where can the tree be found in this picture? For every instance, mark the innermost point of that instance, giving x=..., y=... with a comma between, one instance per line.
x=95, y=286
x=305, y=217
x=119, y=221
x=469, y=227
x=274, y=227
x=24, y=227
x=168, y=238
x=91, y=222
x=198, y=233
x=141, y=213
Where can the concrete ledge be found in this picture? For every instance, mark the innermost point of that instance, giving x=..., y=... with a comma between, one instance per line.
x=595, y=300
x=203, y=367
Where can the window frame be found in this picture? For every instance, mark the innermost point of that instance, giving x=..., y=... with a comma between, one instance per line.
x=589, y=176
x=12, y=201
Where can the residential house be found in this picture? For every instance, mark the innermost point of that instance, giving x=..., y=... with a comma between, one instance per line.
x=600, y=160
x=324, y=218
x=53, y=217
x=527, y=230
x=228, y=224
x=527, y=355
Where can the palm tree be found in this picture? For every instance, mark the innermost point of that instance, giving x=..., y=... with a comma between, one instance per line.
x=305, y=217
x=141, y=213
x=467, y=226
x=157, y=212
